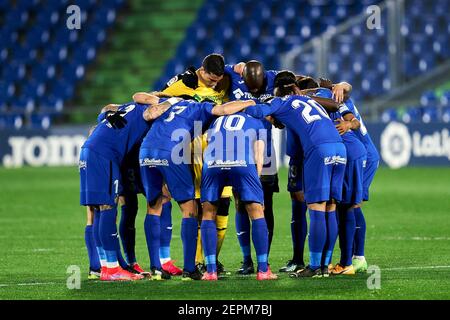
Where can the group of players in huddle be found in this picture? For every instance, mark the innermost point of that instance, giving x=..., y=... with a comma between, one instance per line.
x=206, y=137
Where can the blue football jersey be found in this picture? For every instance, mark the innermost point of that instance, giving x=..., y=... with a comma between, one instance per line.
x=116, y=143
x=304, y=116
x=240, y=91
x=293, y=144
x=354, y=147
x=177, y=125
x=231, y=140
x=362, y=134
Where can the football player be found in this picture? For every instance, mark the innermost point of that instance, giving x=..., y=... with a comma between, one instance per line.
x=324, y=162
x=165, y=155
x=99, y=168
x=250, y=81
x=234, y=156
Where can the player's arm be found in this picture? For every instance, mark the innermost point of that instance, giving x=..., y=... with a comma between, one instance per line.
x=259, y=111
x=329, y=104
x=259, y=155
x=239, y=68
x=231, y=107
x=110, y=107
x=156, y=110
x=349, y=122
x=341, y=91
x=147, y=98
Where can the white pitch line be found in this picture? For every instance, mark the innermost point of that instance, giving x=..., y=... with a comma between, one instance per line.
x=416, y=268
x=27, y=284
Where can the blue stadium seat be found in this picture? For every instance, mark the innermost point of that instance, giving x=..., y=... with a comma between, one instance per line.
x=51, y=103
x=430, y=114
x=445, y=99
x=40, y=121
x=11, y=121
x=389, y=115
x=446, y=115
x=429, y=99
x=412, y=115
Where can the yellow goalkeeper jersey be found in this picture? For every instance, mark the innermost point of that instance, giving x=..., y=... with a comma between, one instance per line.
x=202, y=92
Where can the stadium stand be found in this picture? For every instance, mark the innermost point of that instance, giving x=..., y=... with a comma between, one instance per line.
x=240, y=32
x=45, y=67
x=42, y=60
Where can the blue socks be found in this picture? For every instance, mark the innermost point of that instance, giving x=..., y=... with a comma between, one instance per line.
x=166, y=232
x=94, y=261
x=360, y=233
x=209, y=244
x=243, y=234
x=127, y=228
x=317, y=237
x=347, y=227
x=260, y=237
x=97, y=240
x=152, y=234
x=299, y=229
x=332, y=234
x=189, y=231
x=108, y=236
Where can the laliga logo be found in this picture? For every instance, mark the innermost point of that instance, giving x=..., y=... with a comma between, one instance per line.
x=396, y=145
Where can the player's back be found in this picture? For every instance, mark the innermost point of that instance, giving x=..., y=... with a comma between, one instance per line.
x=231, y=139
x=116, y=143
x=362, y=134
x=178, y=124
x=307, y=119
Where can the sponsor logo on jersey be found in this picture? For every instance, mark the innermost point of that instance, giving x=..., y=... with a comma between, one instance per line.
x=146, y=162
x=226, y=163
x=82, y=164
x=334, y=160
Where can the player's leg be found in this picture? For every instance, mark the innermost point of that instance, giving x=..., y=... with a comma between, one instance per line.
x=270, y=186
x=359, y=261
x=299, y=226
x=242, y=222
x=127, y=230
x=98, y=242
x=189, y=228
x=352, y=193
x=94, y=191
x=152, y=180
x=209, y=239
x=180, y=183
x=249, y=189
x=332, y=234
x=260, y=240
x=94, y=260
x=318, y=186
x=167, y=263
x=222, y=226
x=199, y=258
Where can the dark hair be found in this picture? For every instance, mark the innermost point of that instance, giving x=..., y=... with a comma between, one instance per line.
x=307, y=83
x=283, y=78
x=214, y=63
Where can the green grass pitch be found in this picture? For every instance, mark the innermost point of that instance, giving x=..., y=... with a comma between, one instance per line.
x=408, y=238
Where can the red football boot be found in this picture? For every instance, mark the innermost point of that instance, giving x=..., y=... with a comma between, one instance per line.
x=171, y=268
x=210, y=276
x=268, y=275
x=119, y=274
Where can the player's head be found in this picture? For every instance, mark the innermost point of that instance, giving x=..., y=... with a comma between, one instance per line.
x=212, y=69
x=253, y=75
x=284, y=83
x=307, y=82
